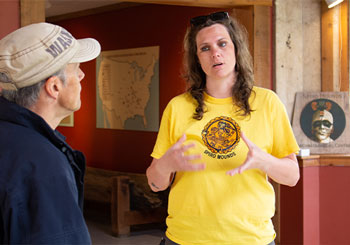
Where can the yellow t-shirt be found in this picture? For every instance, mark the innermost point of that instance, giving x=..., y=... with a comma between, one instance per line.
x=210, y=207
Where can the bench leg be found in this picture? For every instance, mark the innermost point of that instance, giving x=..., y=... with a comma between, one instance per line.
x=120, y=205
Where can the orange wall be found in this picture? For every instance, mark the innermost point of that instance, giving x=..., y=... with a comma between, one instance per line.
x=9, y=17
x=147, y=25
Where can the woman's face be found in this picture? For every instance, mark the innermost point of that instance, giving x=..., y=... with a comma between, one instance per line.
x=216, y=52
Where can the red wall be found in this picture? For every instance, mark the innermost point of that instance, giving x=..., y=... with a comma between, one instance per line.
x=146, y=25
x=291, y=213
x=335, y=205
x=316, y=210
x=9, y=17
x=311, y=205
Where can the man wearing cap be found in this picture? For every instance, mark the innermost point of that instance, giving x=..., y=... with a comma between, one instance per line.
x=41, y=176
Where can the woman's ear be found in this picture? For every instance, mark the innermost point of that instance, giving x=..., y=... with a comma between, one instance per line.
x=53, y=86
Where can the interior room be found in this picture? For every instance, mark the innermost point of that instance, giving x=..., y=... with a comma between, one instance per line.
x=296, y=46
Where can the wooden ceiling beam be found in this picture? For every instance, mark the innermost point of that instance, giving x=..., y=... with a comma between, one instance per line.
x=207, y=3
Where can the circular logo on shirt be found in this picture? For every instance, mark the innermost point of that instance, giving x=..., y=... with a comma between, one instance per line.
x=221, y=135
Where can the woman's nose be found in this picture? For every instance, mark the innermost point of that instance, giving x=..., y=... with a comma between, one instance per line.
x=216, y=53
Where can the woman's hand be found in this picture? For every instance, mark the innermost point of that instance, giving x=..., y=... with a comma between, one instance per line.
x=282, y=170
x=175, y=159
x=161, y=171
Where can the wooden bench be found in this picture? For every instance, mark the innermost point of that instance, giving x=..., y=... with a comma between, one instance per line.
x=131, y=200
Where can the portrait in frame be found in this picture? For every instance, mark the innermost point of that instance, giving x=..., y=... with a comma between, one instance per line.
x=321, y=122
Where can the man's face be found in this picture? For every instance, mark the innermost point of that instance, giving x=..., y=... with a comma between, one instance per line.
x=70, y=95
x=322, y=128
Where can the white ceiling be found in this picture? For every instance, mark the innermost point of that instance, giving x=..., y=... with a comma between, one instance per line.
x=59, y=7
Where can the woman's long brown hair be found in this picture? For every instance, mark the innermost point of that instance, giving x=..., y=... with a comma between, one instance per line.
x=196, y=77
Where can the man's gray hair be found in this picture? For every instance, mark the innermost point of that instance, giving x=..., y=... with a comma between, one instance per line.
x=27, y=96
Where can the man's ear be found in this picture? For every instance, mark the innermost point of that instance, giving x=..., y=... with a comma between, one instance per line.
x=53, y=86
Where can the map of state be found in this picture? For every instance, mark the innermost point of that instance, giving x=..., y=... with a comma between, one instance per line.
x=128, y=89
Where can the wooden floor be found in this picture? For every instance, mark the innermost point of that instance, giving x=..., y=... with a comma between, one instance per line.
x=100, y=231
x=100, y=234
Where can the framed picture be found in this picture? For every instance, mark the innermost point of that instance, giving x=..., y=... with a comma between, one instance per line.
x=68, y=121
x=321, y=122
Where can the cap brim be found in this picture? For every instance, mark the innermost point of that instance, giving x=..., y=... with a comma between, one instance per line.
x=89, y=49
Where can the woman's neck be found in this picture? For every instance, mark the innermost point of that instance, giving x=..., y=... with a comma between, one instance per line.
x=220, y=88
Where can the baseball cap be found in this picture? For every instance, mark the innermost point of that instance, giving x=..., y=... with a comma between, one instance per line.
x=35, y=52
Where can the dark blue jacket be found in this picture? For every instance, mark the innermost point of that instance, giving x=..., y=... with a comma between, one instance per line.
x=41, y=182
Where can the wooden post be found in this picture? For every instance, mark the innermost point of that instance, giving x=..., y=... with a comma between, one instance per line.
x=120, y=204
x=335, y=41
x=262, y=46
x=288, y=50
x=32, y=11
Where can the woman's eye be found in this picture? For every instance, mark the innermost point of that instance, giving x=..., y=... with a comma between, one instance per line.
x=222, y=44
x=204, y=48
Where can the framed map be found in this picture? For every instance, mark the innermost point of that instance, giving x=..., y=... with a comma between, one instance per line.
x=321, y=122
x=127, y=89
x=68, y=121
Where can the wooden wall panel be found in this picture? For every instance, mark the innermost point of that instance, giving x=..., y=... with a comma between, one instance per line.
x=32, y=11
x=262, y=46
x=335, y=41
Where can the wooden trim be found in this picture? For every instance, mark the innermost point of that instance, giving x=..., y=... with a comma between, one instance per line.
x=88, y=12
x=32, y=11
x=309, y=161
x=327, y=43
x=207, y=3
x=133, y=3
x=344, y=29
x=337, y=160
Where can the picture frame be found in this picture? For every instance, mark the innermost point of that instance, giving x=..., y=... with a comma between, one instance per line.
x=68, y=121
x=321, y=122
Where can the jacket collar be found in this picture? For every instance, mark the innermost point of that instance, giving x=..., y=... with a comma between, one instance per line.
x=13, y=113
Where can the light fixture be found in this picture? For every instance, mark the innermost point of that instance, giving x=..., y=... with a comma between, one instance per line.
x=332, y=3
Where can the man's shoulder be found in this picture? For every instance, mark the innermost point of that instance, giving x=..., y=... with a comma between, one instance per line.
x=26, y=153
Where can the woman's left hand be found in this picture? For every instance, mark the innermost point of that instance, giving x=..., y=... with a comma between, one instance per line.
x=254, y=158
x=284, y=170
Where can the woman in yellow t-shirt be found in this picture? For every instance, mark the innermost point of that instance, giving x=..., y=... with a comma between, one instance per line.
x=219, y=176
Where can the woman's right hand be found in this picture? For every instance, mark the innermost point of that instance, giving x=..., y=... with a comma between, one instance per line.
x=161, y=171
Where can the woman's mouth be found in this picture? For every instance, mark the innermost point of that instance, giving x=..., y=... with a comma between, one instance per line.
x=217, y=64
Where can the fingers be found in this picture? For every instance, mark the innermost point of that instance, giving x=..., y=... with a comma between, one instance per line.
x=190, y=166
x=193, y=157
x=181, y=161
x=179, y=145
x=180, y=141
x=194, y=166
x=237, y=170
x=246, y=140
x=188, y=146
x=233, y=171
